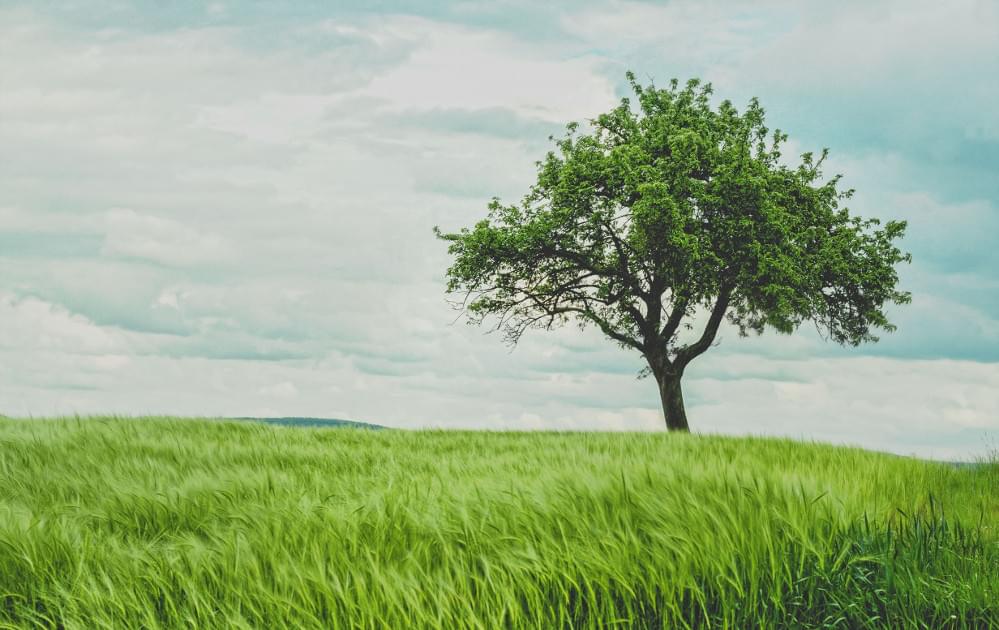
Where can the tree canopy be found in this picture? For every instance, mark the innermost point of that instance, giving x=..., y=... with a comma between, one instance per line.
x=670, y=206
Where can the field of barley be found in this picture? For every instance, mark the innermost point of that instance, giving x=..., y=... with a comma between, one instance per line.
x=174, y=523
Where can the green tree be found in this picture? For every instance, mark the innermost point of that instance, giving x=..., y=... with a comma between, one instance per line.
x=670, y=214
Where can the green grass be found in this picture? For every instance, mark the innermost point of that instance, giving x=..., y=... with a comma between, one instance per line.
x=162, y=523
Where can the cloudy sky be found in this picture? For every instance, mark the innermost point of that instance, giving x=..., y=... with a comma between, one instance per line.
x=226, y=208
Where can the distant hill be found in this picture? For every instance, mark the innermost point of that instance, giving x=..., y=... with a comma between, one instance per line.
x=314, y=422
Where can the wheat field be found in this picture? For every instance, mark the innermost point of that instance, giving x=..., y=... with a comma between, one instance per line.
x=182, y=523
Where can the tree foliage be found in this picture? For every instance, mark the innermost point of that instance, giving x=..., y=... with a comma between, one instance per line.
x=669, y=205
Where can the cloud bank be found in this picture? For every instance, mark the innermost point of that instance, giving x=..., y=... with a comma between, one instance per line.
x=227, y=211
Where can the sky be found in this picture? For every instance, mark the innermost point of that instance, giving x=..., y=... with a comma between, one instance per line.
x=226, y=209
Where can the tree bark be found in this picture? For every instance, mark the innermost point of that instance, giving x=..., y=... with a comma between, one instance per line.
x=672, y=399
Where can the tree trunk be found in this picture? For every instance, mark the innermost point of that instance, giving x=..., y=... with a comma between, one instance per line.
x=672, y=398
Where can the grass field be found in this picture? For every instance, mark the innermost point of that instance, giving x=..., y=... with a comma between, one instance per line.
x=162, y=523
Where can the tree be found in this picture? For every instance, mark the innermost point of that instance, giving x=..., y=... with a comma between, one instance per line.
x=671, y=213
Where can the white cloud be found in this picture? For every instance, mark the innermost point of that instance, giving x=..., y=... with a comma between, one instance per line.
x=111, y=362
x=903, y=406
x=17, y=219
x=286, y=389
x=907, y=41
x=462, y=68
x=276, y=118
x=689, y=31
x=168, y=242
x=168, y=298
x=29, y=323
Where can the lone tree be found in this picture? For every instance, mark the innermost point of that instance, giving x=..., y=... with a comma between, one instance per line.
x=673, y=214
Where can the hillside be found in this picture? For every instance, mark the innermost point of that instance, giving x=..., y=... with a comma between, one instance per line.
x=328, y=423
x=171, y=523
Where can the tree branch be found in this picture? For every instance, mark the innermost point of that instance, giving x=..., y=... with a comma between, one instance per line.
x=674, y=319
x=688, y=353
x=604, y=326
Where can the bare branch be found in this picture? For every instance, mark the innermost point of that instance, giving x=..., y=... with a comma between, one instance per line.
x=687, y=353
x=605, y=327
x=676, y=315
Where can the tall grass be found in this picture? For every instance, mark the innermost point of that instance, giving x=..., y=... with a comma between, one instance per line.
x=161, y=523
